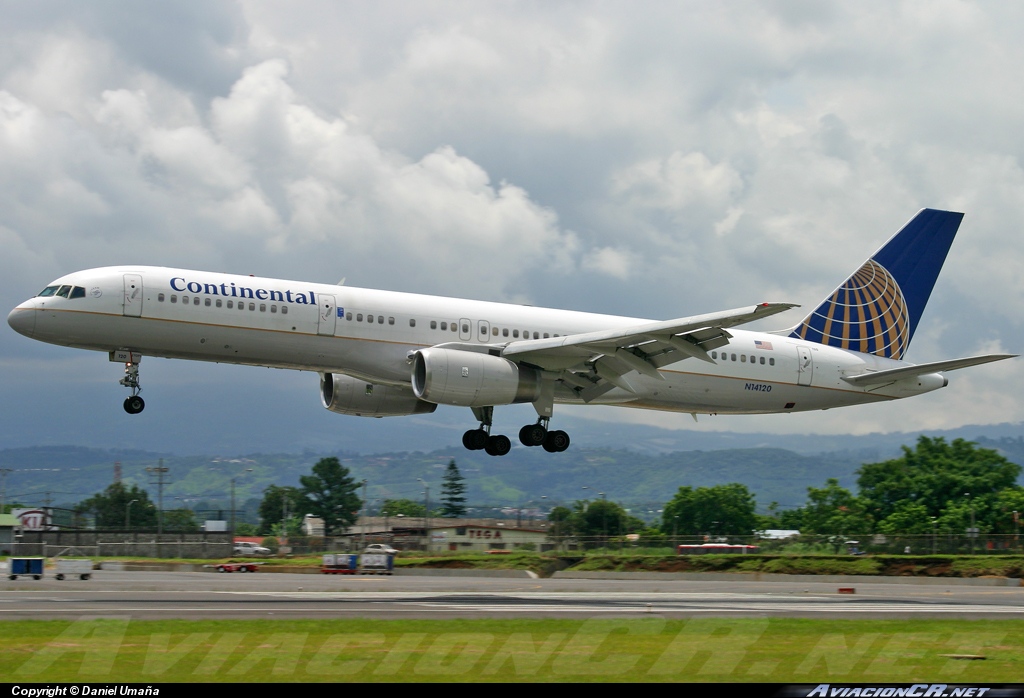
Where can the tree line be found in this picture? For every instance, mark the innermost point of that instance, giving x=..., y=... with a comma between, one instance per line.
x=329, y=492
x=936, y=487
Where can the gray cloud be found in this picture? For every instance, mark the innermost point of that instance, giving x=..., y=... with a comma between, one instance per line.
x=677, y=159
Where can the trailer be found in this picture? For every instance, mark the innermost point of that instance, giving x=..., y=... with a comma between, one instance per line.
x=376, y=563
x=70, y=568
x=349, y=563
x=339, y=563
x=25, y=567
x=236, y=566
x=717, y=549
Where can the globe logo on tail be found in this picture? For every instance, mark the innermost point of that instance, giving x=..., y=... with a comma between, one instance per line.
x=868, y=314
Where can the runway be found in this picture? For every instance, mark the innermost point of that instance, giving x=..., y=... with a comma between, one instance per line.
x=191, y=595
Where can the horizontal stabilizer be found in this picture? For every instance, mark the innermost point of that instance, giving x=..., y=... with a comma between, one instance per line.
x=894, y=374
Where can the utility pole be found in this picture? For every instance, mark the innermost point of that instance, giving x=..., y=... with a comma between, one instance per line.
x=160, y=471
x=284, y=517
x=3, y=488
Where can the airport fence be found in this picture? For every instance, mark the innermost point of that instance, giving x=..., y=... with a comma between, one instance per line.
x=211, y=545
x=855, y=544
x=90, y=543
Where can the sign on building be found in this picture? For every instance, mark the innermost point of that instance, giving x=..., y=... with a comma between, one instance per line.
x=34, y=519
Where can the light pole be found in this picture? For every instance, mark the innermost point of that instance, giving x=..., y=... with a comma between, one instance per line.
x=426, y=514
x=543, y=496
x=364, y=516
x=391, y=538
x=604, y=514
x=248, y=470
x=1016, y=528
x=128, y=514
x=972, y=532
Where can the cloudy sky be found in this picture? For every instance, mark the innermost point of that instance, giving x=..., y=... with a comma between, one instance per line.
x=653, y=159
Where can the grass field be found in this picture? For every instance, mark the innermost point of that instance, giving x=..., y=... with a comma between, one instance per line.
x=646, y=648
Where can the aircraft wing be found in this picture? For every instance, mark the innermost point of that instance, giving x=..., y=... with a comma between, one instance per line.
x=595, y=362
x=894, y=374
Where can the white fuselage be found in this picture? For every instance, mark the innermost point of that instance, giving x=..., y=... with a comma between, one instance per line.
x=369, y=334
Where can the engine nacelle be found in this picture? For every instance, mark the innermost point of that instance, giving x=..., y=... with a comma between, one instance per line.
x=347, y=395
x=470, y=379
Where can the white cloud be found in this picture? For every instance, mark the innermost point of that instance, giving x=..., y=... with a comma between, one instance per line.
x=610, y=261
x=676, y=183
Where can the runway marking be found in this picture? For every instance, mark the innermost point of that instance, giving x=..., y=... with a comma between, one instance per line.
x=631, y=596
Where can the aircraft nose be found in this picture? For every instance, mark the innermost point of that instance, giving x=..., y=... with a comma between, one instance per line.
x=23, y=321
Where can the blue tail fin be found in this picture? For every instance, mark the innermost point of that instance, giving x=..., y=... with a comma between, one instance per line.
x=877, y=309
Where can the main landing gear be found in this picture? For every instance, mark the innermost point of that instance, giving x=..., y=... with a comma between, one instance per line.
x=481, y=439
x=538, y=435
x=132, y=404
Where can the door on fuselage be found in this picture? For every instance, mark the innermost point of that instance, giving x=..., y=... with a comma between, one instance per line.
x=804, y=366
x=132, y=304
x=327, y=318
x=465, y=330
x=484, y=331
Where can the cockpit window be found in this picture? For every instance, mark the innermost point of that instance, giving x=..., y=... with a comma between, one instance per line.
x=65, y=291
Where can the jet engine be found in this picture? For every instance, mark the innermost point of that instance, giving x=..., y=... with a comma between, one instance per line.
x=470, y=379
x=347, y=395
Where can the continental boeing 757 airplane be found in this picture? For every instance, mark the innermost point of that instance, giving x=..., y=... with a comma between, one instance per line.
x=381, y=353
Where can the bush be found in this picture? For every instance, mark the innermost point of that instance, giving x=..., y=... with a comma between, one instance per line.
x=272, y=543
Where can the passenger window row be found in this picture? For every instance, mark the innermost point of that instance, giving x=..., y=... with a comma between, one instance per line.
x=358, y=317
x=743, y=358
x=525, y=334
x=445, y=326
x=220, y=302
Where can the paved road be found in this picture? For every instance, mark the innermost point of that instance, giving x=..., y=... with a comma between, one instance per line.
x=193, y=595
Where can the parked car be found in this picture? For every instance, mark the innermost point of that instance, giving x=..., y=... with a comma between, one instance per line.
x=250, y=549
x=380, y=548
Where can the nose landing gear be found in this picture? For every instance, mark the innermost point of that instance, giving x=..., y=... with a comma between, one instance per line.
x=132, y=404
